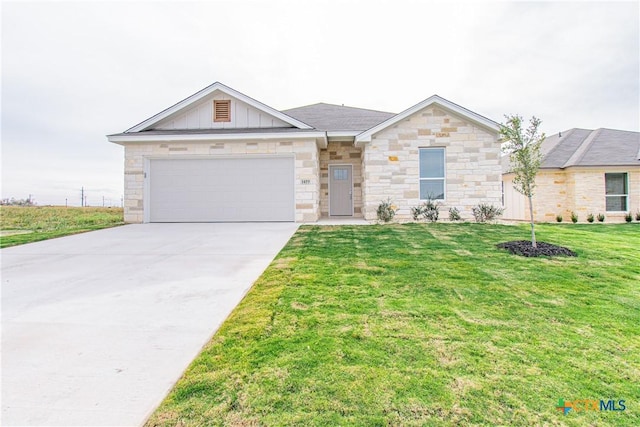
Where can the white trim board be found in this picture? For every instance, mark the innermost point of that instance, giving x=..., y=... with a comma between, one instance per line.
x=144, y=137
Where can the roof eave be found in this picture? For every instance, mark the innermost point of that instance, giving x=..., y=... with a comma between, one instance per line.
x=609, y=165
x=124, y=138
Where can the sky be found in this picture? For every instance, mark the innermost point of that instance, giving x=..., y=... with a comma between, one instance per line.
x=73, y=72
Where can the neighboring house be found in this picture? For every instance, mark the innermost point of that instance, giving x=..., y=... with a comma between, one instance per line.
x=220, y=155
x=582, y=171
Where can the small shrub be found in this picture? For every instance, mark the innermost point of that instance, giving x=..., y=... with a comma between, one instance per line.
x=386, y=211
x=559, y=218
x=428, y=210
x=574, y=217
x=417, y=212
x=454, y=214
x=431, y=210
x=590, y=217
x=600, y=217
x=638, y=216
x=628, y=217
x=484, y=212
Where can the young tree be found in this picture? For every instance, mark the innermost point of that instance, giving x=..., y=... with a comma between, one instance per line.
x=523, y=147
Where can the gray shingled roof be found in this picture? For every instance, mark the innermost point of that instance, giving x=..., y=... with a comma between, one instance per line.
x=585, y=147
x=600, y=147
x=558, y=150
x=329, y=117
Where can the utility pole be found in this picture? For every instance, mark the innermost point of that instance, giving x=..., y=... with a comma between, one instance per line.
x=103, y=201
x=82, y=197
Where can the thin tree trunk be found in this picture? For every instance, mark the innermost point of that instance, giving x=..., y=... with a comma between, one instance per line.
x=533, y=231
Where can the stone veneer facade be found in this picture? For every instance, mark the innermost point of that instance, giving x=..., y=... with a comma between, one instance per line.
x=307, y=184
x=391, y=164
x=341, y=153
x=386, y=167
x=577, y=189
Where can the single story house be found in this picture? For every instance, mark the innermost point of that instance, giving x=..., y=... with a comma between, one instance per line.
x=220, y=155
x=582, y=171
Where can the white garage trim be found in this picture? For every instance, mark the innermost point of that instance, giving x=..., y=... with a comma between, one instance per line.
x=225, y=188
x=181, y=137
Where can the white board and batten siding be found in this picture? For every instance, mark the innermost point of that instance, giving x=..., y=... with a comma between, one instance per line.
x=252, y=188
x=200, y=116
x=514, y=202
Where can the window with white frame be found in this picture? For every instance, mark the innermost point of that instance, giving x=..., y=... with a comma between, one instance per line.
x=616, y=192
x=432, y=171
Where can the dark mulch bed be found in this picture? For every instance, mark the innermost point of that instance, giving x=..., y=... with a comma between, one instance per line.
x=524, y=248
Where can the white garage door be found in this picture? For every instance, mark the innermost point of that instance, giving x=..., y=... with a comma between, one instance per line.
x=217, y=190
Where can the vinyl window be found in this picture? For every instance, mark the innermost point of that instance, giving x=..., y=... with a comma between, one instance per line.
x=432, y=173
x=616, y=192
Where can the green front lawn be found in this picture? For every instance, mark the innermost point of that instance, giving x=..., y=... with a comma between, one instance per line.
x=426, y=324
x=26, y=224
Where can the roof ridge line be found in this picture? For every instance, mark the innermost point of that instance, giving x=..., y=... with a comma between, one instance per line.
x=584, y=146
x=337, y=105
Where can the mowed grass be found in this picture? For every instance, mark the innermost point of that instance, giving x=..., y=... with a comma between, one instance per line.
x=425, y=324
x=20, y=225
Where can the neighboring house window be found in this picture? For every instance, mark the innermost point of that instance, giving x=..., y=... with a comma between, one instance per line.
x=222, y=111
x=616, y=191
x=432, y=173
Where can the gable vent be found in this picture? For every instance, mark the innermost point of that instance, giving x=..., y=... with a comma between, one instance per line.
x=222, y=111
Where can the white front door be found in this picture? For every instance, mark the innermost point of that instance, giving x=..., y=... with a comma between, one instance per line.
x=340, y=190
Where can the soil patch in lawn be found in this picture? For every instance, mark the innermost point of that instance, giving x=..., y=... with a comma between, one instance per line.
x=524, y=248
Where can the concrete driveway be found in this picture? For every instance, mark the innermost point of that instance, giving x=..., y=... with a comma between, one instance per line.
x=97, y=327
